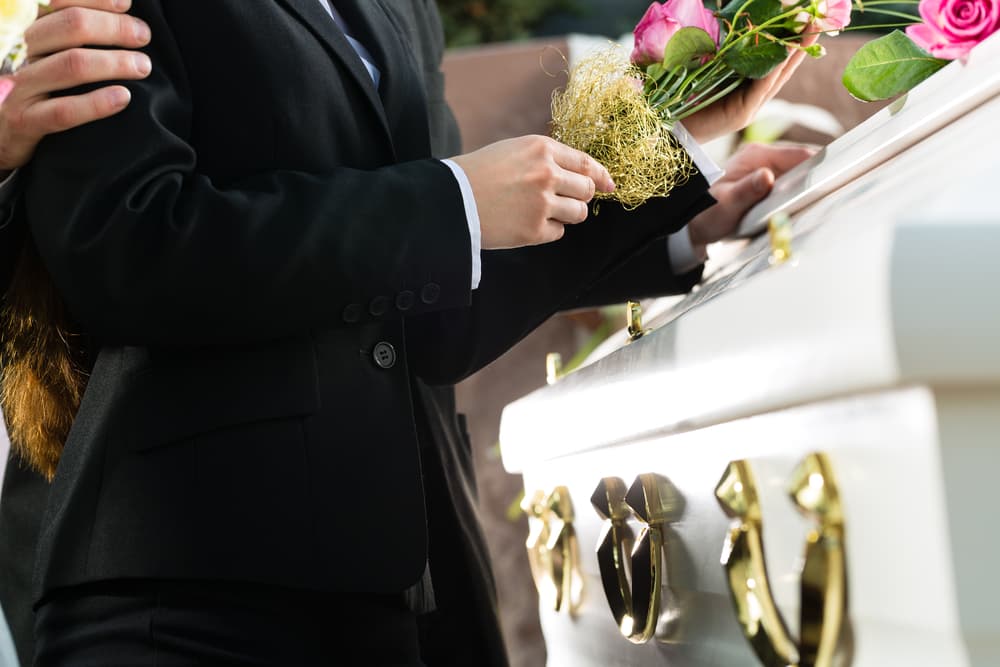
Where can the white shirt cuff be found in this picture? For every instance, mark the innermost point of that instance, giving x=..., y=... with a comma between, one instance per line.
x=683, y=257
x=706, y=165
x=472, y=217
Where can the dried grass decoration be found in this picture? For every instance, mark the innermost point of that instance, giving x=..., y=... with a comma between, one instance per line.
x=604, y=112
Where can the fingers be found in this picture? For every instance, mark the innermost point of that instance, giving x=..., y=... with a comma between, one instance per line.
x=734, y=199
x=763, y=90
x=581, y=163
x=575, y=186
x=554, y=230
x=746, y=192
x=80, y=26
x=791, y=65
x=780, y=158
x=737, y=197
x=118, y=6
x=77, y=67
x=64, y=113
x=568, y=211
x=579, y=179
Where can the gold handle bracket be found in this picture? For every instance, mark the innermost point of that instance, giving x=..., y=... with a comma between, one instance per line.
x=635, y=605
x=553, y=549
x=779, y=229
x=633, y=314
x=823, y=603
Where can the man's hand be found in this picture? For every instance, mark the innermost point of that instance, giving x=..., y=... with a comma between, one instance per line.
x=738, y=109
x=750, y=175
x=57, y=61
x=527, y=189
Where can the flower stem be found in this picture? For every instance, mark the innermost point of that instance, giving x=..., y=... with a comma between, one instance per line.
x=876, y=25
x=688, y=110
x=889, y=12
x=758, y=29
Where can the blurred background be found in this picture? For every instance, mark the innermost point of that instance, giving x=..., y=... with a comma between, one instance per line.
x=471, y=22
x=506, y=58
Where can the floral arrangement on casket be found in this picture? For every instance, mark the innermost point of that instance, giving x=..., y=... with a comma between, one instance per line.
x=621, y=109
x=16, y=16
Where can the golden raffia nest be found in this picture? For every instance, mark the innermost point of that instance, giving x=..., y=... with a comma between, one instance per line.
x=604, y=113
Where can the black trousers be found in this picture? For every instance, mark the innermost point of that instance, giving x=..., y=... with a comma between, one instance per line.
x=167, y=624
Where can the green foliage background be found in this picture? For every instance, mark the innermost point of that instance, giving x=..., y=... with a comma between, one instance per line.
x=468, y=22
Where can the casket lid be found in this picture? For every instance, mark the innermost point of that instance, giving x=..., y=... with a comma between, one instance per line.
x=893, y=281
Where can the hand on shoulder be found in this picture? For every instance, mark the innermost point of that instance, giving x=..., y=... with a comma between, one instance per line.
x=60, y=57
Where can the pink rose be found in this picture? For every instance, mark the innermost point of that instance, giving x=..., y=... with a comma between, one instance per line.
x=662, y=20
x=952, y=27
x=832, y=16
x=826, y=16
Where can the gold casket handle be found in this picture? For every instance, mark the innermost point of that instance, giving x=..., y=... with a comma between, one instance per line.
x=823, y=602
x=652, y=500
x=553, y=549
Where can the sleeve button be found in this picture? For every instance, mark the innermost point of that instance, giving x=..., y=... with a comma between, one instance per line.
x=352, y=314
x=430, y=293
x=379, y=306
x=405, y=300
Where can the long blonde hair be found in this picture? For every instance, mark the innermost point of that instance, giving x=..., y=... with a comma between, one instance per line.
x=43, y=365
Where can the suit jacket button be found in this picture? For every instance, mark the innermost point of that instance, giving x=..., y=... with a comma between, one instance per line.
x=379, y=306
x=430, y=293
x=352, y=313
x=405, y=300
x=385, y=355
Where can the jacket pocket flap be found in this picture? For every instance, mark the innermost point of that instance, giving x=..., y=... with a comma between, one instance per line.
x=183, y=394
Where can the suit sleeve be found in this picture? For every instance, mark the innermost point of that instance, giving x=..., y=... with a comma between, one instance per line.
x=521, y=288
x=148, y=250
x=649, y=274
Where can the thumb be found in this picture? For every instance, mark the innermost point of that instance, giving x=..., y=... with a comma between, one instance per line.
x=743, y=194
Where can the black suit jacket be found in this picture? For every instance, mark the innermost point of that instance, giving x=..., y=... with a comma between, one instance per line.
x=239, y=240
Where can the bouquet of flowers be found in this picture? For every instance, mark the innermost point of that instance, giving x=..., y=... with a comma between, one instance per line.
x=15, y=18
x=622, y=109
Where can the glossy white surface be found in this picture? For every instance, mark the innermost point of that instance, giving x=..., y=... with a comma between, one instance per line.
x=951, y=93
x=887, y=456
x=886, y=286
x=879, y=344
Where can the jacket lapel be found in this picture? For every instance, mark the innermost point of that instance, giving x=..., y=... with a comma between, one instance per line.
x=319, y=23
x=401, y=86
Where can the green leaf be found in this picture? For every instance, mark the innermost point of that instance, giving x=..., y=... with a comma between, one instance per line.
x=655, y=71
x=888, y=66
x=687, y=45
x=757, y=11
x=755, y=61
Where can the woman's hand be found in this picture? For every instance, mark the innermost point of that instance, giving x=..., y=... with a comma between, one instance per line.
x=738, y=109
x=57, y=60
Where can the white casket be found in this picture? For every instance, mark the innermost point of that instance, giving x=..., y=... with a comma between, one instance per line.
x=871, y=357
